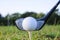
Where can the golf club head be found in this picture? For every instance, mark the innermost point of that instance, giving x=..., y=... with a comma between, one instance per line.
x=40, y=22
x=20, y=27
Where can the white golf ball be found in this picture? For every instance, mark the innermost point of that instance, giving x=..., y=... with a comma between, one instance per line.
x=29, y=23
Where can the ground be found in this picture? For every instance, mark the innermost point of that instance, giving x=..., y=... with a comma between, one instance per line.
x=48, y=32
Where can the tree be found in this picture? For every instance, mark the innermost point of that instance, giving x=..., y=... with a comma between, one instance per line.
x=10, y=19
x=1, y=16
x=40, y=15
x=54, y=18
x=26, y=14
x=13, y=17
x=1, y=19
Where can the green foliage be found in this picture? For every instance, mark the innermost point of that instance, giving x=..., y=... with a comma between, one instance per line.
x=54, y=18
x=0, y=16
x=10, y=19
x=26, y=14
x=40, y=15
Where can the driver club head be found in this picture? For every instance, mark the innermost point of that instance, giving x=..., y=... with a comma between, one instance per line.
x=39, y=23
x=20, y=26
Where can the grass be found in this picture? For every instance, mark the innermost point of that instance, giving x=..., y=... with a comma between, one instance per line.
x=48, y=32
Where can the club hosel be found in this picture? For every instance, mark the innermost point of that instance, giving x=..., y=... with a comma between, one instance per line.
x=50, y=12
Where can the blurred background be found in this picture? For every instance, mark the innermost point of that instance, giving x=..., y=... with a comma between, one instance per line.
x=10, y=10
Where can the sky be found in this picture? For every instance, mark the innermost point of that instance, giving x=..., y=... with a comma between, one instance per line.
x=21, y=6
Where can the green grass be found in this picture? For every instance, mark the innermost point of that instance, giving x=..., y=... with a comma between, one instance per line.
x=48, y=32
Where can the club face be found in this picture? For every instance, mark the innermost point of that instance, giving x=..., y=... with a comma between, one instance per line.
x=40, y=25
x=19, y=25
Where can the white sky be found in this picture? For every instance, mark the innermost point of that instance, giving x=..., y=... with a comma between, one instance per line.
x=21, y=6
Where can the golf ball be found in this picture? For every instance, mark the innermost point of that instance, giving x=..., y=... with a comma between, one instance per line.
x=29, y=23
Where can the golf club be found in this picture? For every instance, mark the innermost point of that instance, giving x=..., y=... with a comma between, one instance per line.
x=24, y=24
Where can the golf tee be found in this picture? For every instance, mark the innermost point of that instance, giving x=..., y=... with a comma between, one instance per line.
x=30, y=35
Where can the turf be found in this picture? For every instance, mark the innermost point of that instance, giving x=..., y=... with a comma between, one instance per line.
x=48, y=32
